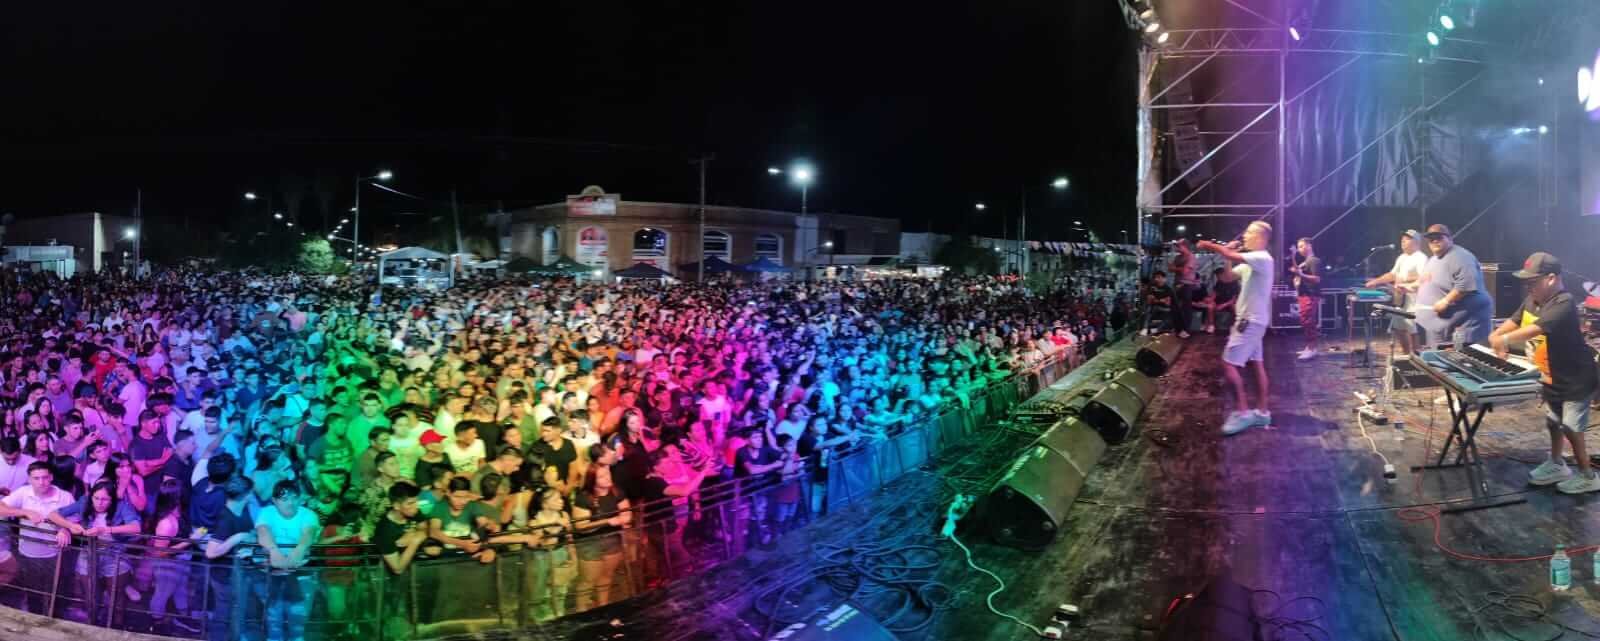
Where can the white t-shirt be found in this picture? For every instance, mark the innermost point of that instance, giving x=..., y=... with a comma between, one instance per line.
x=1407, y=269
x=38, y=545
x=1255, y=286
x=286, y=532
x=465, y=459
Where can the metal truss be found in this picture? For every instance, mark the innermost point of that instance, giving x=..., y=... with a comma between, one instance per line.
x=1345, y=47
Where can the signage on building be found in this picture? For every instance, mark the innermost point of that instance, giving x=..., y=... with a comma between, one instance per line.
x=592, y=243
x=593, y=201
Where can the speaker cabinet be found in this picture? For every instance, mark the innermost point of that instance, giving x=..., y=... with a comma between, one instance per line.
x=1027, y=506
x=1115, y=410
x=1157, y=356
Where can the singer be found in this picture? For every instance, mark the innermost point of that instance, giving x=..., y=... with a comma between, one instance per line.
x=1254, y=269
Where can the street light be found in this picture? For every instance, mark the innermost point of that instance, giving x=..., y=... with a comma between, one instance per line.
x=980, y=207
x=1060, y=182
x=383, y=175
x=249, y=195
x=130, y=233
x=800, y=174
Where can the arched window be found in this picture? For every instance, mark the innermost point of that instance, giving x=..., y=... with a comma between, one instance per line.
x=650, y=247
x=718, y=244
x=550, y=242
x=770, y=247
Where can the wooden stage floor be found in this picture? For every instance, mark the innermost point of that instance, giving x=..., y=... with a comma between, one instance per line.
x=1300, y=509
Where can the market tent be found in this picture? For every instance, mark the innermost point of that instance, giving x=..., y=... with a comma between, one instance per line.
x=563, y=267
x=714, y=265
x=764, y=266
x=413, y=253
x=642, y=270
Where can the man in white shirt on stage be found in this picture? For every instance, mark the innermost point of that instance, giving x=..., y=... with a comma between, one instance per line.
x=1406, y=275
x=1253, y=268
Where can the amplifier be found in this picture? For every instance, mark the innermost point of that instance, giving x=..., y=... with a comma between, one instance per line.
x=1286, y=309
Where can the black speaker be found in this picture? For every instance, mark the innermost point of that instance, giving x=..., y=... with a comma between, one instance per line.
x=1115, y=410
x=1506, y=290
x=1026, y=507
x=1157, y=356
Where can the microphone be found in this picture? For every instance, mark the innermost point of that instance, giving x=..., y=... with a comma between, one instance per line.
x=1382, y=247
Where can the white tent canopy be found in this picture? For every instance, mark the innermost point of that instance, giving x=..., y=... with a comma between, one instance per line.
x=413, y=253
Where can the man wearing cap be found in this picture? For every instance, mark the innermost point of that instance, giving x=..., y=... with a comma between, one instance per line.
x=1549, y=323
x=1452, y=295
x=1405, y=275
x=1253, y=268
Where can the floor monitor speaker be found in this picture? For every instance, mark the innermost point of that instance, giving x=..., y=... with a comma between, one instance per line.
x=1027, y=506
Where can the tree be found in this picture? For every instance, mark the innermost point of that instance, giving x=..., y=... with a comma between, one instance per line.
x=961, y=255
x=316, y=257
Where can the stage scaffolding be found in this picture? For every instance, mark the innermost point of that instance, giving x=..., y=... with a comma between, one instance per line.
x=1254, y=65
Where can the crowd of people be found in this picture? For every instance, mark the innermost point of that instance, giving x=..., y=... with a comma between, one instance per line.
x=194, y=416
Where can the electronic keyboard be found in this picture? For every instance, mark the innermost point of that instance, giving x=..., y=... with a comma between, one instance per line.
x=1479, y=376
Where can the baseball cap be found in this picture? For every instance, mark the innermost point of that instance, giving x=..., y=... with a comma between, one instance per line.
x=1538, y=264
x=1413, y=234
x=1438, y=230
x=430, y=436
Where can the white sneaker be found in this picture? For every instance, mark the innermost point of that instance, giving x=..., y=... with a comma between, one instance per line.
x=1261, y=417
x=1580, y=484
x=1306, y=354
x=1183, y=334
x=1238, y=422
x=1549, y=473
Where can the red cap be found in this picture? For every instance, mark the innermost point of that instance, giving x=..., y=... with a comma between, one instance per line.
x=430, y=436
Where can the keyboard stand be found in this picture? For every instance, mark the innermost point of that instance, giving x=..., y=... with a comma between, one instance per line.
x=1464, y=425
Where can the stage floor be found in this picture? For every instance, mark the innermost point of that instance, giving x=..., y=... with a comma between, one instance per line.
x=1300, y=509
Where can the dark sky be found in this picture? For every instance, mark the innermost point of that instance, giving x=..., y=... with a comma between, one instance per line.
x=912, y=110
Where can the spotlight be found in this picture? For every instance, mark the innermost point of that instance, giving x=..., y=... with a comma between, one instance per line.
x=980, y=206
x=1163, y=38
x=1544, y=129
x=1147, y=14
x=1152, y=27
x=1294, y=33
x=277, y=216
x=1433, y=39
x=1447, y=22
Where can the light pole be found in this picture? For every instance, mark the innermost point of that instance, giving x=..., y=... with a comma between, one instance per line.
x=355, y=232
x=132, y=233
x=800, y=174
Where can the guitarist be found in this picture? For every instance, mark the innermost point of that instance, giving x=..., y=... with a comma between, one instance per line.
x=1308, y=291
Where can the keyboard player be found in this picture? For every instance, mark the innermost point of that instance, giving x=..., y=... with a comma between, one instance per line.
x=1405, y=275
x=1548, y=322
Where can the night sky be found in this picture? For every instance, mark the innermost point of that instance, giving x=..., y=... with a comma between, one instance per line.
x=914, y=111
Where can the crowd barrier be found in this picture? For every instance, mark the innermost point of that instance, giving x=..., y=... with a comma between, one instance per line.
x=345, y=592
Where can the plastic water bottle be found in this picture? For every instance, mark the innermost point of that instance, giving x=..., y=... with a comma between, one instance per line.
x=1459, y=338
x=1560, y=569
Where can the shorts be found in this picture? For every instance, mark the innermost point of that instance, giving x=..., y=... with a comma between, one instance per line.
x=1244, y=346
x=1402, y=325
x=1571, y=416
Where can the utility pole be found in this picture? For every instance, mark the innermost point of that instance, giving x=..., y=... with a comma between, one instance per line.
x=1022, y=237
x=455, y=216
x=705, y=159
x=138, y=227
x=355, y=233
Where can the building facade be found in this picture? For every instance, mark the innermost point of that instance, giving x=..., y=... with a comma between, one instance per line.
x=97, y=241
x=603, y=231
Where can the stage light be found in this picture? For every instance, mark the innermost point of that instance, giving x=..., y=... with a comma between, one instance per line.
x=980, y=206
x=1147, y=14
x=1433, y=39
x=773, y=171
x=249, y=195
x=1544, y=129
x=1182, y=228
x=1152, y=27
x=1541, y=82
x=1447, y=22
x=1060, y=182
x=1294, y=33
x=1162, y=39
x=277, y=215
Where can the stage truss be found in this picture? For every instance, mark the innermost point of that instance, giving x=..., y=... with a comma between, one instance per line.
x=1337, y=50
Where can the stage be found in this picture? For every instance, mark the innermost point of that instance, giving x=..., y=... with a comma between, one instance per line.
x=1300, y=509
